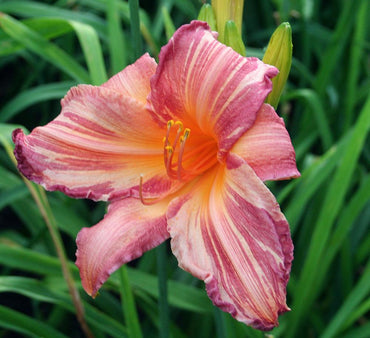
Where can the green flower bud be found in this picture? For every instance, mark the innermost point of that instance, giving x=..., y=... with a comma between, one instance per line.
x=226, y=10
x=279, y=54
x=206, y=14
x=233, y=38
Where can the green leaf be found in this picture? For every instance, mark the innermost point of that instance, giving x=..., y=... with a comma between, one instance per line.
x=312, y=100
x=40, y=291
x=135, y=28
x=37, y=9
x=352, y=302
x=168, y=23
x=18, y=322
x=180, y=295
x=48, y=28
x=117, y=45
x=128, y=305
x=311, y=180
x=91, y=47
x=8, y=196
x=32, y=96
x=337, y=43
x=332, y=204
x=42, y=47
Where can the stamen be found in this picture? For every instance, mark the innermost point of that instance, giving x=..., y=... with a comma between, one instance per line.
x=170, y=147
x=174, y=158
x=179, y=130
x=168, y=159
x=181, y=152
x=170, y=123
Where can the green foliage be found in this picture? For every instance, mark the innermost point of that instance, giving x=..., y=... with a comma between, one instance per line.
x=48, y=46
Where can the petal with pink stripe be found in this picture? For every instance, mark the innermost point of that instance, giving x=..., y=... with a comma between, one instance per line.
x=127, y=231
x=96, y=148
x=230, y=232
x=267, y=147
x=134, y=80
x=202, y=82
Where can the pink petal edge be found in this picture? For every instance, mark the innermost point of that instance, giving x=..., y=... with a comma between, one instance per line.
x=134, y=80
x=128, y=230
x=267, y=147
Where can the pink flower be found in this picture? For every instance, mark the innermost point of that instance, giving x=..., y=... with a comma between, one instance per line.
x=180, y=150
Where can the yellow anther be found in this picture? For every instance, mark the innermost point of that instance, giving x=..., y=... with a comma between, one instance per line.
x=179, y=124
x=185, y=136
x=170, y=123
x=172, y=156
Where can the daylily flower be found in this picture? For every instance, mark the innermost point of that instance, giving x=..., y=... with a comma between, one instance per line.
x=180, y=150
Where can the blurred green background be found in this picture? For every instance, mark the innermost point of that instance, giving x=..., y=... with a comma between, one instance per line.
x=48, y=46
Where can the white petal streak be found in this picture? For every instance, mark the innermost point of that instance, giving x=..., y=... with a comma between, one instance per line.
x=230, y=232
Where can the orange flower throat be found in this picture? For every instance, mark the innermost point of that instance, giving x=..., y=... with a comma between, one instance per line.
x=184, y=158
x=183, y=165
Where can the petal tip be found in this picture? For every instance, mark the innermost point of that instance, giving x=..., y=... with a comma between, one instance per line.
x=90, y=285
x=23, y=165
x=263, y=324
x=127, y=230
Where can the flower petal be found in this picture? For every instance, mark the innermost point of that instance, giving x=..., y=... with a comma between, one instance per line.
x=230, y=232
x=126, y=232
x=96, y=148
x=267, y=147
x=199, y=79
x=134, y=80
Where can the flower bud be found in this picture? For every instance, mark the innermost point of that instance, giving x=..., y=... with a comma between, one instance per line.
x=226, y=10
x=279, y=54
x=206, y=14
x=233, y=38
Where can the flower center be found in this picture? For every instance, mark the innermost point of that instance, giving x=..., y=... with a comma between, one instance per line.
x=199, y=155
